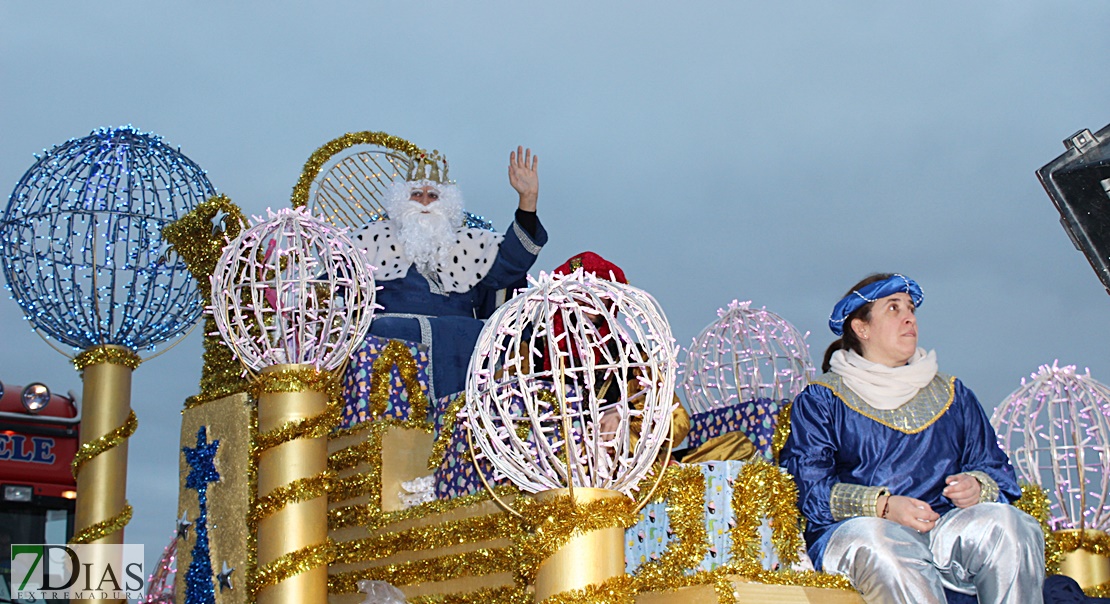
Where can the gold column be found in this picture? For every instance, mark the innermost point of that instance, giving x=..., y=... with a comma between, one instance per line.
x=1087, y=568
x=299, y=524
x=588, y=559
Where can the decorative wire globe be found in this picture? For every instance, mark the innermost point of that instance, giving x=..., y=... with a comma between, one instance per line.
x=292, y=289
x=1056, y=430
x=555, y=359
x=745, y=355
x=81, y=241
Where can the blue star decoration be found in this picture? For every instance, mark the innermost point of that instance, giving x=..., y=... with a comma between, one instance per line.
x=199, y=588
x=225, y=577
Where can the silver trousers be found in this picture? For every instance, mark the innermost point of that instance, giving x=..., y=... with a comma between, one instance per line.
x=991, y=550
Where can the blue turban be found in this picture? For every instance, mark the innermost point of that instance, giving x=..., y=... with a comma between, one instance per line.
x=869, y=293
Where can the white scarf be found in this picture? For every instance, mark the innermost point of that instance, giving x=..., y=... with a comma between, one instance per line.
x=885, y=387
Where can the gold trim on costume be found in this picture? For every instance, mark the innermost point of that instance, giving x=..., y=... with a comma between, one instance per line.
x=853, y=500
x=988, y=488
x=920, y=412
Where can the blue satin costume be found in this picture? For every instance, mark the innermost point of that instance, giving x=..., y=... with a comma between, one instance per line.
x=831, y=442
x=448, y=323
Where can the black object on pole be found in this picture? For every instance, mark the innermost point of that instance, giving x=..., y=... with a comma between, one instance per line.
x=1078, y=181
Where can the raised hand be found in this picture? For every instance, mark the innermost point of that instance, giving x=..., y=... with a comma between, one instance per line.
x=524, y=177
x=963, y=490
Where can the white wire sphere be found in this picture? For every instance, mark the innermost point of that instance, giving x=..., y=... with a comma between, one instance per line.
x=1056, y=430
x=602, y=337
x=292, y=289
x=746, y=354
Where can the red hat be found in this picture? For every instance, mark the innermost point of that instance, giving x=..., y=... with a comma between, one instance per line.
x=593, y=264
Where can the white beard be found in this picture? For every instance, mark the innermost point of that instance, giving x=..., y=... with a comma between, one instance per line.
x=426, y=233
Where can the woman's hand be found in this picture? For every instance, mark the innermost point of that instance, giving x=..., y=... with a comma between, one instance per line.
x=963, y=490
x=909, y=512
x=524, y=177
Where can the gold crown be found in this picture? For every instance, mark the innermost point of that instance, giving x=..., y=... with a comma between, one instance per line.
x=428, y=167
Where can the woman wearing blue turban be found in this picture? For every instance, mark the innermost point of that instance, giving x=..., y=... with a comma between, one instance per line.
x=899, y=473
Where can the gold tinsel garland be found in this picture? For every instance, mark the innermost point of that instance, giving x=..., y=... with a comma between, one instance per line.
x=1101, y=590
x=480, y=562
x=466, y=530
x=683, y=490
x=616, y=590
x=500, y=595
x=549, y=524
x=350, y=487
x=103, y=528
x=290, y=564
x=439, y=447
x=1034, y=501
x=113, y=439
x=222, y=374
x=1068, y=542
x=782, y=430
x=302, y=489
x=321, y=156
x=396, y=354
x=115, y=355
x=349, y=457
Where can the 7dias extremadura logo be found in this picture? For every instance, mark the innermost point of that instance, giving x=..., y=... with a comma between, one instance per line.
x=88, y=572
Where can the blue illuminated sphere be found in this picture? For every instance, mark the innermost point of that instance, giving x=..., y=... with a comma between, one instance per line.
x=81, y=241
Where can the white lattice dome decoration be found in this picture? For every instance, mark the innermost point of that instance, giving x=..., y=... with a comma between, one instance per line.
x=610, y=346
x=746, y=354
x=1056, y=430
x=292, y=289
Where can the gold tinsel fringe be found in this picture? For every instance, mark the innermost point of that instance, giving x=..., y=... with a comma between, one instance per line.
x=683, y=490
x=1101, y=590
x=476, y=563
x=467, y=530
x=1034, y=501
x=107, y=354
x=103, y=528
x=109, y=441
x=439, y=447
x=297, y=379
x=617, y=590
x=290, y=564
x=396, y=354
x=550, y=524
x=321, y=156
x=500, y=595
x=763, y=490
x=302, y=489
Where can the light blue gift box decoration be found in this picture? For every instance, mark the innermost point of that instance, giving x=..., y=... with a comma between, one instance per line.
x=648, y=539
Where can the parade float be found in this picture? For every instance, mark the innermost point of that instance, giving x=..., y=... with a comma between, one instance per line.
x=507, y=492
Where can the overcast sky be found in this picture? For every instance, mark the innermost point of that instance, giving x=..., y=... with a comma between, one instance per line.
x=773, y=151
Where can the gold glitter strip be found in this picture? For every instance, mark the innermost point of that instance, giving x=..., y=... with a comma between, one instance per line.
x=107, y=354
x=103, y=528
x=467, y=530
x=477, y=563
x=1034, y=501
x=396, y=354
x=290, y=564
x=683, y=490
x=782, y=430
x=302, y=489
x=450, y=416
x=105, y=443
x=335, y=146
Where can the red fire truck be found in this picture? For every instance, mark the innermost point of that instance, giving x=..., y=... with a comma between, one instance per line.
x=38, y=440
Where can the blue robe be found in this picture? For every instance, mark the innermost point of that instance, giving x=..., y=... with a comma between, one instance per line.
x=833, y=440
x=443, y=314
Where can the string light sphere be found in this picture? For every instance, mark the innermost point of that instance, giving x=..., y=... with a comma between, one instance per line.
x=746, y=354
x=551, y=363
x=1056, y=430
x=292, y=289
x=82, y=247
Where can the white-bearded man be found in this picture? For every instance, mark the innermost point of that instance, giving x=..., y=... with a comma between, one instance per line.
x=433, y=272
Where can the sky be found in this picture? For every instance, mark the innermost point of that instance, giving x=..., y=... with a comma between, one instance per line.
x=767, y=151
